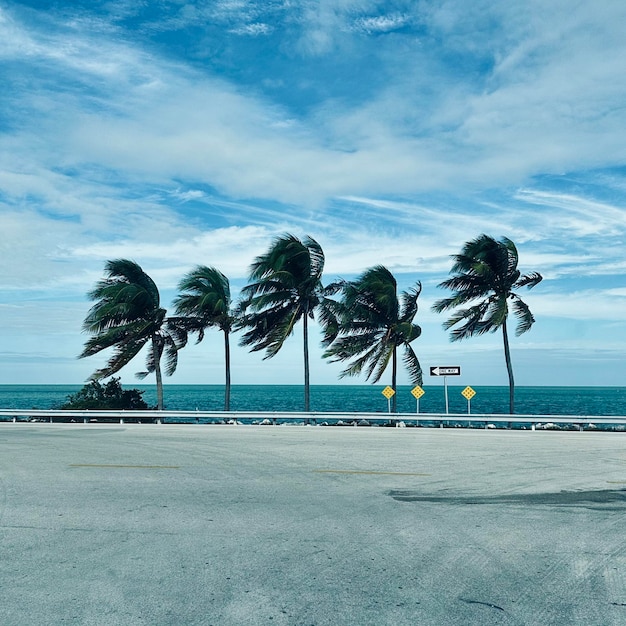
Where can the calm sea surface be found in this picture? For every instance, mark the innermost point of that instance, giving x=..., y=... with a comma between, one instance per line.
x=365, y=398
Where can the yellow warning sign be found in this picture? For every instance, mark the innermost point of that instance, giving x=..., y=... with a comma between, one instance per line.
x=417, y=392
x=388, y=392
x=468, y=393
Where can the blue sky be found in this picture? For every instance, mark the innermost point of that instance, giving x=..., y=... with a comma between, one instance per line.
x=178, y=133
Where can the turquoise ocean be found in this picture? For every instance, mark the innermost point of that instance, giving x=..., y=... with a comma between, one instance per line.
x=580, y=401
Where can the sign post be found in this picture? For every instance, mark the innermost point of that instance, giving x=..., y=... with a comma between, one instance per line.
x=445, y=371
x=388, y=392
x=417, y=392
x=468, y=393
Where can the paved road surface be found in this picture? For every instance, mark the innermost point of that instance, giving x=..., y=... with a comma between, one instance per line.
x=300, y=526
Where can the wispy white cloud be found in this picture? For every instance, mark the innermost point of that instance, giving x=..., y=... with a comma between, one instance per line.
x=462, y=120
x=256, y=29
x=579, y=215
x=204, y=127
x=231, y=249
x=588, y=304
x=381, y=23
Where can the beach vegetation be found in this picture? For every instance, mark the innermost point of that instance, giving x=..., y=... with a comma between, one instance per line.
x=484, y=276
x=110, y=395
x=373, y=321
x=127, y=316
x=205, y=302
x=285, y=288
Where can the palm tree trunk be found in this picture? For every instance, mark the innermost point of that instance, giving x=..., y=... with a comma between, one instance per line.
x=509, y=369
x=305, y=325
x=394, y=374
x=157, y=372
x=227, y=366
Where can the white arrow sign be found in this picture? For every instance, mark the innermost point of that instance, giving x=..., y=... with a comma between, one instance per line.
x=454, y=370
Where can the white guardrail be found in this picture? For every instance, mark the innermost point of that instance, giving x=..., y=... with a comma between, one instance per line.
x=582, y=422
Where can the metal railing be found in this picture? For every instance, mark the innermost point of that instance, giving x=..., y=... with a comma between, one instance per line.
x=582, y=422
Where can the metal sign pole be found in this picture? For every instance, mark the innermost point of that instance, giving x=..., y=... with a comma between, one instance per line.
x=468, y=393
x=417, y=392
x=445, y=371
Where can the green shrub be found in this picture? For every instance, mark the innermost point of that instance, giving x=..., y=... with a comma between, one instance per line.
x=95, y=395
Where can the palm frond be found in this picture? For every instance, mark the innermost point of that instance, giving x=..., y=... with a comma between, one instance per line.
x=378, y=365
x=285, y=286
x=352, y=345
x=485, y=273
x=366, y=361
x=406, y=332
x=126, y=316
x=525, y=318
x=178, y=330
x=171, y=355
x=412, y=364
x=330, y=312
x=475, y=322
x=408, y=302
x=269, y=329
x=123, y=353
x=529, y=280
x=372, y=323
x=317, y=260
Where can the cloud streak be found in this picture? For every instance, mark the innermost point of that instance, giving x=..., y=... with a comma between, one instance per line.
x=186, y=133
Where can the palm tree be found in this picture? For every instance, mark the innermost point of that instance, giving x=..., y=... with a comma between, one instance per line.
x=205, y=302
x=485, y=273
x=373, y=324
x=286, y=288
x=126, y=317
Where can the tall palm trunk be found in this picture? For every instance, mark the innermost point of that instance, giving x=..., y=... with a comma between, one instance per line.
x=305, y=333
x=157, y=372
x=509, y=369
x=394, y=374
x=227, y=366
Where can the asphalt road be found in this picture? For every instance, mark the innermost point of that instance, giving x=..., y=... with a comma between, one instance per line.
x=301, y=526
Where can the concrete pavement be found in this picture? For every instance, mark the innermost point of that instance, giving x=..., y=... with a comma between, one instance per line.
x=231, y=525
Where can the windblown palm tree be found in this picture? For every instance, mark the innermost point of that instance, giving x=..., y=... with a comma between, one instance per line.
x=126, y=317
x=486, y=274
x=373, y=324
x=286, y=288
x=205, y=302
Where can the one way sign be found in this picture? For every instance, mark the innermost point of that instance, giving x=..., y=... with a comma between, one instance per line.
x=451, y=370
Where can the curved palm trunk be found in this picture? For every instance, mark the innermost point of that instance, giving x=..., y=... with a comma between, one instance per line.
x=227, y=366
x=307, y=402
x=157, y=372
x=509, y=368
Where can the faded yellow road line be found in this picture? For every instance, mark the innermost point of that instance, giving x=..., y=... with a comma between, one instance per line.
x=125, y=466
x=368, y=472
x=616, y=482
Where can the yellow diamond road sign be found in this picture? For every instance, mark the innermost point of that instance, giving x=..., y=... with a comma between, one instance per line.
x=468, y=393
x=388, y=392
x=417, y=392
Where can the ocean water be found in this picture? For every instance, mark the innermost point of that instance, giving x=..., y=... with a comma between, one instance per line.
x=592, y=401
